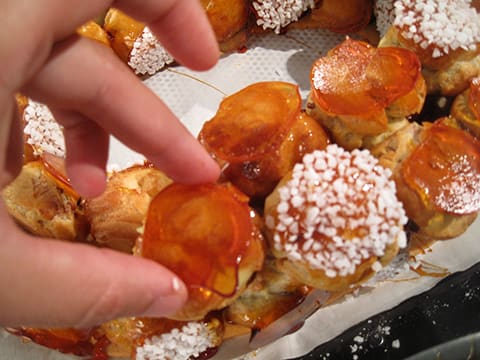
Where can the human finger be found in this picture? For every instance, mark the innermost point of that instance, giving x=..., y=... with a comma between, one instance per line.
x=11, y=141
x=87, y=78
x=87, y=154
x=51, y=283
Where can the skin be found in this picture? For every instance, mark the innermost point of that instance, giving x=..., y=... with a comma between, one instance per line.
x=51, y=283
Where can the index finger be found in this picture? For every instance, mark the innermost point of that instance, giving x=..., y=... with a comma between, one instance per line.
x=87, y=78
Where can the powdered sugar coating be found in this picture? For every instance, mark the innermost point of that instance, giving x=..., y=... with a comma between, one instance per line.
x=444, y=26
x=276, y=14
x=338, y=209
x=460, y=195
x=179, y=344
x=148, y=56
x=42, y=131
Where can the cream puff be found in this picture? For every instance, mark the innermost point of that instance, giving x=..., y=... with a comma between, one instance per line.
x=259, y=133
x=209, y=236
x=436, y=167
x=361, y=94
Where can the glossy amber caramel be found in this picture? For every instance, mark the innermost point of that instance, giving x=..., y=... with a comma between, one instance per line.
x=358, y=79
x=200, y=232
x=252, y=122
x=444, y=170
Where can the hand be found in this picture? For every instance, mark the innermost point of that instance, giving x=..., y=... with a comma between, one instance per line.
x=52, y=283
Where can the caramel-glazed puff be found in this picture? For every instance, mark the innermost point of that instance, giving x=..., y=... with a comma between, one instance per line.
x=259, y=133
x=209, y=236
x=437, y=171
x=335, y=219
x=362, y=94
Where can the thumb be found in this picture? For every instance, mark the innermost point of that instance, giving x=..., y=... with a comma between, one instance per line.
x=58, y=284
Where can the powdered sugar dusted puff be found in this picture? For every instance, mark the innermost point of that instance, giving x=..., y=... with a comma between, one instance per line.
x=186, y=342
x=444, y=34
x=277, y=14
x=335, y=219
x=135, y=44
x=162, y=339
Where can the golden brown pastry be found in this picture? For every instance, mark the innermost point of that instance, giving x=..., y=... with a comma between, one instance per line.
x=209, y=236
x=117, y=215
x=466, y=108
x=362, y=94
x=259, y=133
x=445, y=35
x=335, y=219
x=437, y=171
x=42, y=201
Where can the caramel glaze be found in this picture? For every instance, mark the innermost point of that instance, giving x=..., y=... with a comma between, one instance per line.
x=358, y=79
x=199, y=232
x=474, y=98
x=283, y=304
x=90, y=343
x=445, y=169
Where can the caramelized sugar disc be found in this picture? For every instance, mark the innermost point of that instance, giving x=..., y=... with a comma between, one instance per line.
x=253, y=121
x=357, y=79
x=200, y=232
x=474, y=97
x=445, y=170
